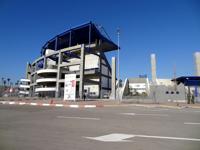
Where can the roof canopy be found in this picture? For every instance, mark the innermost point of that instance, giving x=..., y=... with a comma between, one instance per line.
x=83, y=34
x=188, y=80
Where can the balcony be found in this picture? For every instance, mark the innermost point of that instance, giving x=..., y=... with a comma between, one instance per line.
x=45, y=89
x=43, y=80
x=47, y=71
x=24, y=86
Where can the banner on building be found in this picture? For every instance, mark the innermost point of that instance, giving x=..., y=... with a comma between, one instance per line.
x=70, y=87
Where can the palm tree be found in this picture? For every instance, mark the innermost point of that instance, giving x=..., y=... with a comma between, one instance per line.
x=17, y=83
x=8, y=79
x=2, y=79
x=4, y=83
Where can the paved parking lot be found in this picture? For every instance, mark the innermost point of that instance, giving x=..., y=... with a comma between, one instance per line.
x=113, y=128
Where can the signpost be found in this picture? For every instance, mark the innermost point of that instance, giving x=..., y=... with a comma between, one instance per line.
x=70, y=87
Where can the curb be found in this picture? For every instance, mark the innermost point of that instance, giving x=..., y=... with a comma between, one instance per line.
x=154, y=106
x=92, y=105
x=50, y=105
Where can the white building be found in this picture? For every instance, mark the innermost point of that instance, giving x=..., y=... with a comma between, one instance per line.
x=139, y=86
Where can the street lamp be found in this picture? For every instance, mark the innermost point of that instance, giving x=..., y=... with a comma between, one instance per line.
x=118, y=67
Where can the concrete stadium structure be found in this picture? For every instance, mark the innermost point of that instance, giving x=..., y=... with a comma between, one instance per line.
x=81, y=51
x=24, y=87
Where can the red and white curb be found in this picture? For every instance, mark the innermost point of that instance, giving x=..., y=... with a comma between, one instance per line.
x=48, y=104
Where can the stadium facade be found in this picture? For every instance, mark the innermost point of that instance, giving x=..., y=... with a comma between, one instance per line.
x=81, y=51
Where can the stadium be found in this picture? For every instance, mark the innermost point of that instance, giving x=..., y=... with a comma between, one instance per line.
x=79, y=50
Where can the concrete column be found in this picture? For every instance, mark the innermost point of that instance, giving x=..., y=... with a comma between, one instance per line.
x=30, y=91
x=31, y=81
x=100, y=76
x=27, y=70
x=82, y=70
x=108, y=78
x=35, y=67
x=33, y=92
x=57, y=94
x=153, y=68
x=113, y=87
x=197, y=73
x=45, y=63
x=197, y=63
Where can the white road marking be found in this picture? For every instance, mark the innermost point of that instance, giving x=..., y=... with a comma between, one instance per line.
x=22, y=103
x=74, y=106
x=169, y=138
x=90, y=106
x=131, y=114
x=115, y=137
x=118, y=137
x=192, y=123
x=59, y=105
x=34, y=104
x=134, y=114
x=11, y=103
x=147, y=106
x=82, y=118
x=44, y=104
x=159, y=109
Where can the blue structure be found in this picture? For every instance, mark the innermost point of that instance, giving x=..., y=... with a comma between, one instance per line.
x=189, y=81
x=84, y=34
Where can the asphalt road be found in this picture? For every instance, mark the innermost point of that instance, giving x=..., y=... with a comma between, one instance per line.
x=113, y=128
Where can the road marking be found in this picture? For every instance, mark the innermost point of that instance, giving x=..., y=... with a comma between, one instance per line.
x=82, y=118
x=74, y=106
x=90, y=106
x=192, y=123
x=134, y=114
x=159, y=110
x=115, y=137
x=44, y=104
x=11, y=103
x=168, y=138
x=22, y=103
x=147, y=106
x=118, y=137
x=59, y=105
x=34, y=104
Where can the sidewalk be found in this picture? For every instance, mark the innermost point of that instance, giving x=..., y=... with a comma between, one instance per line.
x=90, y=103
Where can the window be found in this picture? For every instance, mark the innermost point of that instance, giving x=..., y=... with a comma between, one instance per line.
x=166, y=92
x=177, y=92
x=172, y=92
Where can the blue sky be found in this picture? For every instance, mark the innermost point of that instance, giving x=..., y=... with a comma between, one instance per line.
x=169, y=28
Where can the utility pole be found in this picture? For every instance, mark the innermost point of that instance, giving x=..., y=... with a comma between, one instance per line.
x=118, y=67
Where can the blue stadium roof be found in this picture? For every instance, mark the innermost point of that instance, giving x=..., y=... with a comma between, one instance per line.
x=188, y=80
x=84, y=34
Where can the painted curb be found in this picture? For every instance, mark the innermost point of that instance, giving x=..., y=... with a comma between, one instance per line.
x=50, y=105
x=92, y=105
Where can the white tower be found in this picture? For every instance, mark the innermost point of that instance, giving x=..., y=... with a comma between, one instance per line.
x=153, y=68
x=197, y=63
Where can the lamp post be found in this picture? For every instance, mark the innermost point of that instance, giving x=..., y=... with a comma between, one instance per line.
x=118, y=66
